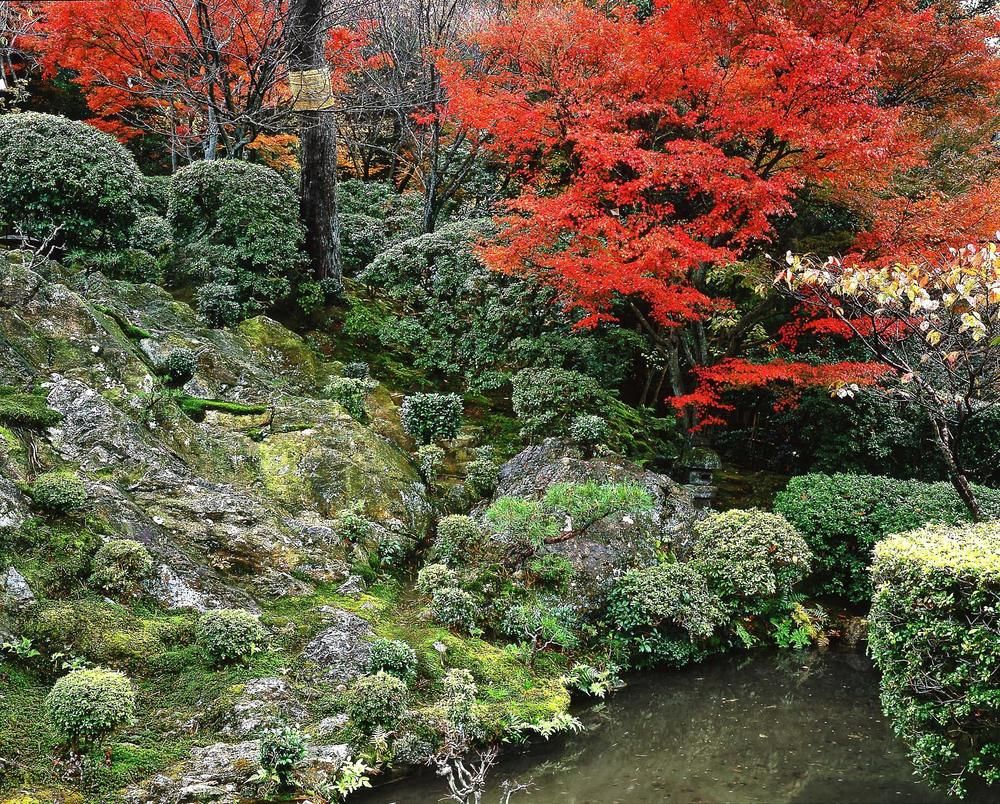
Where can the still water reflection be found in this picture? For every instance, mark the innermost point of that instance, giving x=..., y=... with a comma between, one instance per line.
x=769, y=729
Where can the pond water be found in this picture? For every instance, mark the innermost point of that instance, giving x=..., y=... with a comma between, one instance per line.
x=793, y=728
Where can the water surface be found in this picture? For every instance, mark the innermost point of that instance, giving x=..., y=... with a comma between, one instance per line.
x=791, y=728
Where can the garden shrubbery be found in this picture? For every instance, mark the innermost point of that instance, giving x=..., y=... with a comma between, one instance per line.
x=120, y=566
x=61, y=492
x=843, y=516
x=86, y=705
x=432, y=417
x=935, y=621
x=238, y=228
x=350, y=393
x=548, y=400
x=393, y=656
x=377, y=702
x=60, y=174
x=230, y=635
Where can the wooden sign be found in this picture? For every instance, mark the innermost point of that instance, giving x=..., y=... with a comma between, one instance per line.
x=311, y=91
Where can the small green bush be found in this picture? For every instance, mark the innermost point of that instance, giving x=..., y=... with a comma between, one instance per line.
x=552, y=571
x=60, y=492
x=238, y=233
x=120, y=567
x=350, y=393
x=394, y=657
x=547, y=400
x=357, y=370
x=481, y=473
x=435, y=576
x=56, y=173
x=843, y=516
x=230, y=635
x=353, y=528
x=430, y=458
x=455, y=608
x=281, y=752
x=26, y=410
x=934, y=624
x=751, y=559
x=377, y=702
x=432, y=417
x=588, y=502
x=179, y=365
x=86, y=705
x=521, y=524
x=457, y=538
x=665, y=614
x=152, y=234
x=589, y=432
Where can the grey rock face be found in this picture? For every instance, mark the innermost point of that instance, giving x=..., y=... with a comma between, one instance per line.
x=601, y=551
x=13, y=506
x=15, y=594
x=340, y=652
x=265, y=703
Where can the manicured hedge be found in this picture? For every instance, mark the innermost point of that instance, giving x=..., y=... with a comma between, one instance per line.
x=935, y=635
x=843, y=516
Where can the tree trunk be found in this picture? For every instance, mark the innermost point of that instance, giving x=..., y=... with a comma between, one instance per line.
x=306, y=30
x=949, y=451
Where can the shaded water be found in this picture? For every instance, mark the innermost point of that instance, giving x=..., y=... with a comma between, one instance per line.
x=801, y=728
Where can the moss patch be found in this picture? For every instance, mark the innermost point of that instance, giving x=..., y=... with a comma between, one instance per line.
x=196, y=407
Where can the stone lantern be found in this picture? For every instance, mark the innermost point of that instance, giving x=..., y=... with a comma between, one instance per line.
x=699, y=463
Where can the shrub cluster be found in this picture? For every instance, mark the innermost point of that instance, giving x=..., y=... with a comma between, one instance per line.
x=86, y=705
x=843, y=516
x=430, y=458
x=179, y=365
x=377, y=702
x=153, y=235
x=457, y=538
x=589, y=432
x=547, y=400
x=455, y=608
x=435, y=576
x=230, y=635
x=120, y=566
x=481, y=473
x=61, y=492
x=432, y=417
x=350, y=393
x=393, y=656
x=934, y=623
x=281, y=751
x=59, y=173
x=237, y=225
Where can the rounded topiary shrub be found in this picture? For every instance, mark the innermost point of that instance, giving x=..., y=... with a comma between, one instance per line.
x=455, y=608
x=351, y=394
x=56, y=173
x=432, y=417
x=377, y=702
x=60, y=492
x=86, y=705
x=230, y=635
x=120, y=567
x=237, y=226
x=934, y=628
x=750, y=558
x=456, y=539
x=152, y=233
x=589, y=432
x=179, y=365
x=435, y=576
x=394, y=657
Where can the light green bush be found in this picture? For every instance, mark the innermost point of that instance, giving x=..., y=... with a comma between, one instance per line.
x=547, y=400
x=521, y=524
x=281, y=752
x=435, y=576
x=179, y=365
x=751, y=559
x=351, y=393
x=87, y=705
x=60, y=492
x=589, y=432
x=432, y=417
x=843, y=516
x=935, y=621
x=481, y=473
x=120, y=567
x=394, y=657
x=230, y=635
x=456, y=540
x=455, y=608
x=588, y=502
x=430, y=458
x=152, y=234
x=377, y=702
x=59, y=173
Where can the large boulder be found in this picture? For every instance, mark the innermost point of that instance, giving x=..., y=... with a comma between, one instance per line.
x=15, y=594
x=340, y=652
x=604, y=549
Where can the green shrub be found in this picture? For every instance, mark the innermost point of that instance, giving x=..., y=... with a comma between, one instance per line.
x=230, y=635
x=664, y=614
x=588, y=502
x=456, y=539
x=179, y=365
x=350, y=393
x=843, y=516
x=281, y=751
x=362, y=239
x=589, y=432
x=751, y=559
x=237, y=226
x=86, y=705
x=61, y=492
x=127, y=264
x=377, y=702
x=120, y=567
x=394, y=657
x=26, y=410
x=552, y=571
x=521, y=524
x=934, y=624
x=435, y=576
x=357, y=370
x=152, y=234
x=56, y=172
x=455, y=608
x=481, y=473
x=432, y=417
x=353, y=528
x=547, y=400
x=430, y=458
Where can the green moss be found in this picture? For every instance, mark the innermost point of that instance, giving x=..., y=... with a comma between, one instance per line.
x=26, y=410
x=196, y=407
x=129, y=329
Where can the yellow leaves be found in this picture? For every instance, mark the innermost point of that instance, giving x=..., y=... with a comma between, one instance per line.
x=933, y=337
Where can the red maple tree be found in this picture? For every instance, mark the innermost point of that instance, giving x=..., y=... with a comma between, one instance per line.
x=653, y=151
